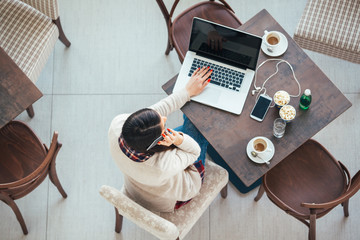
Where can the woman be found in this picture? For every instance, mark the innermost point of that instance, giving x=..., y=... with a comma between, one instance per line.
x=167, y=175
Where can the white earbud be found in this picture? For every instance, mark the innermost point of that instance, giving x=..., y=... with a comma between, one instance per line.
x=256, y=90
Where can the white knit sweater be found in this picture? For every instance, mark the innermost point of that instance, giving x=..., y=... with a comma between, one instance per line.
x=165, y=177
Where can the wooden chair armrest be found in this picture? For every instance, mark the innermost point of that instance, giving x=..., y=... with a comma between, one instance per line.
x=354, y=186
x=144, y=218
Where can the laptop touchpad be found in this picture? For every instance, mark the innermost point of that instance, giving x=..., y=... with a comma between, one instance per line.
x=209, y=95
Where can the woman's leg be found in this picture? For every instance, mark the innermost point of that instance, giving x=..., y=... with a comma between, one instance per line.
x=191, y=130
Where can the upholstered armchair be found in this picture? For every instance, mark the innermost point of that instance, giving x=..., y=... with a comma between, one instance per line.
x=331, y=28
x=169, y=225
x=28, y=33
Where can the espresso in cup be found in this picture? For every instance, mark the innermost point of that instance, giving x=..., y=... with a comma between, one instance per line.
x=271, y=40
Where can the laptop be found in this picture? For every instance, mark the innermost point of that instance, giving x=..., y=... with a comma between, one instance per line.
x=233, y=56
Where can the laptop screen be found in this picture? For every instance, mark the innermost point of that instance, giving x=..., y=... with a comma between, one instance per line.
x=224, y=44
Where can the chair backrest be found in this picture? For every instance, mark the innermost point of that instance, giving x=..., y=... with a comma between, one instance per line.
x=149, y=221
x=179, y=27
x=24, y=146
x=168, y=15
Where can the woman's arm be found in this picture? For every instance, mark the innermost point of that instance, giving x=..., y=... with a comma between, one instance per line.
x=198, y=81
x=171, y=103
x=178, y=159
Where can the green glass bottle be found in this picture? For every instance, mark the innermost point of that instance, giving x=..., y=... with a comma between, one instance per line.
x=305, y=100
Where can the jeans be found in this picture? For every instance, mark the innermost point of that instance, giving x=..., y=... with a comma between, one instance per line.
x=191, y=130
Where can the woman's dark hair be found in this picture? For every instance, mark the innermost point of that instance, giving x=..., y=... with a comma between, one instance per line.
x=141, y=128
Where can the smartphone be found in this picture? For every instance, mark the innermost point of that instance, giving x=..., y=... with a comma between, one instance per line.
x=261, y=107
x=154, y=143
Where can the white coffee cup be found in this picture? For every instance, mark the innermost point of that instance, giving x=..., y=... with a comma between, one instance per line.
x=271, y=40
x=260, y=146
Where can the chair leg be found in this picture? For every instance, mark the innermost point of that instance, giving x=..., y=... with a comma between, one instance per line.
x=260, y=193
x=30, y=111
x=53, y=175
x=346, y=207
x=62, y=36
x=224, y=191
x=169, y=46
x=118, y=221
x=11, y=203
x=312, y=227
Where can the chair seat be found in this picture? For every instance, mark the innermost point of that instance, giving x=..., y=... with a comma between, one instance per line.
x=22, y=153
x=27, y=36
x=185, y=217
x=332, y=28
x=16, y=141
x=311, y=164
x=211, y=11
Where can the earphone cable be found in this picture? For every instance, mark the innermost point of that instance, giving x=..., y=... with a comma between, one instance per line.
x=258, y=90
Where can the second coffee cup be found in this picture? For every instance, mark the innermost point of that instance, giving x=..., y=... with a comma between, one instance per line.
x=260, y=146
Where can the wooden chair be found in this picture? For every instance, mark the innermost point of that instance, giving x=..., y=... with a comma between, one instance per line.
x=169, y=225
x=179, y=28
x=309, y=183
x=29, y=30
x=24, y=163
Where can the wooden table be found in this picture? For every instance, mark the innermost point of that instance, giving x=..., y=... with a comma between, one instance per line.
x=16, y=90
x=229, y=134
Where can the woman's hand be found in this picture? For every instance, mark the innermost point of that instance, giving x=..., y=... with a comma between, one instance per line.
x=198, y=81
x=171, y=137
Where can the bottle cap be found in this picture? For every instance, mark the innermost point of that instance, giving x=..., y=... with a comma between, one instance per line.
x=307, y=92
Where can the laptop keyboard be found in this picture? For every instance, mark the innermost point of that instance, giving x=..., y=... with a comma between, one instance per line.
x=221, y=76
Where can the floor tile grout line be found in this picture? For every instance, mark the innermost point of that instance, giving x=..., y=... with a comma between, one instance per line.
x=50, y=137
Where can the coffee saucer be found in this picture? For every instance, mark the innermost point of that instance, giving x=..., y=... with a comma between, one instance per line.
x=266, y=156
x=279, y=50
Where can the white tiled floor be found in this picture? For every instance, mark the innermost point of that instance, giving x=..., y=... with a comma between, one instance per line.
x=116, y=64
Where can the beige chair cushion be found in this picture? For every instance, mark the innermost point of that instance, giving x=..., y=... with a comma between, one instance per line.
x=48, y=7
x=185, y=217
x=27, y=36
x=178, y=223
x=332, y=28
x=139, y=215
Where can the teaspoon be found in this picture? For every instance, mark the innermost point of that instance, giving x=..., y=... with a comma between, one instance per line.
x=254, y=154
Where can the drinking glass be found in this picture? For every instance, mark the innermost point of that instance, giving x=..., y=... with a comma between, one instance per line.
x=279, y=128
